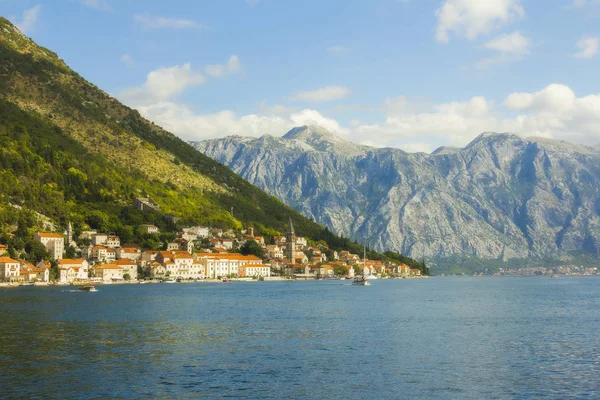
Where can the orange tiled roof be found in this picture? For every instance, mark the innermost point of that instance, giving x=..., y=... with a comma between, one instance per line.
x=50, y=235
x=7, y=260
x=107, y=266
x=124, y=261
x=71, y=261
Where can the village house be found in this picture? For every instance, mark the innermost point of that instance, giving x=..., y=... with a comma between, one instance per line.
x=404, y=269
x=180, y=264
x=157, y=270
x=113, y=241
x=129, y=267
x=132, y=252
x=300, y=258
x=274, y=251
x=10, y=270
x=32, y=273
x=180, y=244
x=301, y=242
x=223, y=243
x=252, y=270
x=3, y=249
x=108, y=272
x=190, y=236
x=150, y=229
x=99, y=239
x=200, y=231
x=228, y=264
x=415, y=272
x=73, y=269
x=323, y=270
x=54, y=243
x=145, y=204
x=103, y=254
x=279, y=241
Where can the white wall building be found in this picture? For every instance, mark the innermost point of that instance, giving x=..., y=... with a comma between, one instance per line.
x=54, y=243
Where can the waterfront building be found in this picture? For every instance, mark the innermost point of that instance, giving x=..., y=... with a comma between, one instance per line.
x=129, y=267
x=72, y=269
x=108, y=272
x=10, y=270
x=252, y=270
x=54, y=243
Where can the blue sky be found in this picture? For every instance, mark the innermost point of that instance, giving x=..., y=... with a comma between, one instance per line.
x=414, y=74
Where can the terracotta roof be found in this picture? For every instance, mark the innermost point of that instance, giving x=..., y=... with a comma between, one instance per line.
x=7, y=260
x=71, y=261
x=50, y=235
x=2, y=246
x=107, y=266
x=125, y=261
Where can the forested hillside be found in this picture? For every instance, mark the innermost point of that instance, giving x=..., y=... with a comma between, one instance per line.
x=70, y=152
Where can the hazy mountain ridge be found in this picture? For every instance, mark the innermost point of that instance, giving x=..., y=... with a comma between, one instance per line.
x=500, y=197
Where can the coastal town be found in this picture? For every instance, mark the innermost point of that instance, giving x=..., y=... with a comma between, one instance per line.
x=198, y=253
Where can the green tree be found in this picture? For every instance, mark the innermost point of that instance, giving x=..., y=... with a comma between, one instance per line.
x=127, y=277
x=251, y=247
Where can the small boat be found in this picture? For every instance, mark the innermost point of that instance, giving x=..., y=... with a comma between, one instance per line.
x=225, y=280
x=27, y=284
x=170, y=280
x=87, y=288
x=554, y=276
x=361, y=280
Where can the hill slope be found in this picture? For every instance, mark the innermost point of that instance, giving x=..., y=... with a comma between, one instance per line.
x=500, y=199
x=73, y=153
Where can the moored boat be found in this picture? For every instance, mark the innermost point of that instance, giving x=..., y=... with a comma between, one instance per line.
x=87, y=288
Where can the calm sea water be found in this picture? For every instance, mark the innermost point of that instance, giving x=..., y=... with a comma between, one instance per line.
x=435, y=338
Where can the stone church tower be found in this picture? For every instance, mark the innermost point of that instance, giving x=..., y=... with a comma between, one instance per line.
x=290, y=243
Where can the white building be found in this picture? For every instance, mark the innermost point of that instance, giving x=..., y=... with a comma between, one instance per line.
x=10, y=270
x=99, y=239
x=73, y=269
x=129, y=267
x=108, y=272
x=54, y=243
x=150, y=229
x=130, y=252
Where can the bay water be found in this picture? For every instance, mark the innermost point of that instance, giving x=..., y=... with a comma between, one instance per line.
x=488, y=338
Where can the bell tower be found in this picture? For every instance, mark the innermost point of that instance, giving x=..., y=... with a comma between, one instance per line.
x=290, y=243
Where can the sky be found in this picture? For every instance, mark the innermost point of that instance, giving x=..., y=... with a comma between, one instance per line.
x=412, y=74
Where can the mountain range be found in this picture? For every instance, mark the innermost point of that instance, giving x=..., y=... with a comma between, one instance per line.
x=500, y=200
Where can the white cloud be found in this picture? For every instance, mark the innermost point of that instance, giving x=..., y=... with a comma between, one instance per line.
x=101, y=5
x=471, y=18
x=163, y=84
x=509, y=47
x=182, y=120
x=157, y=22
x=29, y=20
x=513, y=43
x=219, y=70
x=588, y=47
x=322, y=95
x=127, y=60
x=554, y=98
x=338, y=49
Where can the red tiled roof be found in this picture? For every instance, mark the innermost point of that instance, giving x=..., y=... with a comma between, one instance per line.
x=50, y=235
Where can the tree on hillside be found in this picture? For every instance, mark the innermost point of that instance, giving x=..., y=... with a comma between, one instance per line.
x=251, y=247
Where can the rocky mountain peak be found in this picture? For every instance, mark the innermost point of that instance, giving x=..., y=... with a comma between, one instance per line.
x=321, y=139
